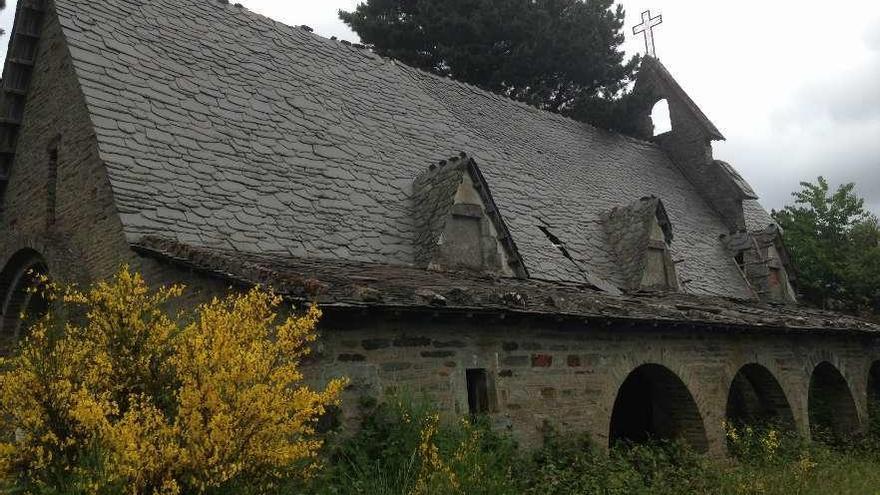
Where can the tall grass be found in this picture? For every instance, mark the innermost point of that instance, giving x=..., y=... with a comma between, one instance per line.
x=404, y=449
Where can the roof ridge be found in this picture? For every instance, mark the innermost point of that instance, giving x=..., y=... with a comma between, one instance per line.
x=242, y=10
x=365, y=49
x=519, y=103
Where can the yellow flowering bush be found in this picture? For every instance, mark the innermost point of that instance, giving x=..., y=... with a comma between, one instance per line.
x=435, y=474
x=109, y=393
x=750, y=443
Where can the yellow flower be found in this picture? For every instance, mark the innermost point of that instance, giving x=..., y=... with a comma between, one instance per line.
x=434, y=472
x=161, y=408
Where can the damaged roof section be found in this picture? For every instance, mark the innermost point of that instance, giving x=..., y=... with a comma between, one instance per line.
x=458, y=225
x=764, y=262
x=590, y=278
x=350, y=284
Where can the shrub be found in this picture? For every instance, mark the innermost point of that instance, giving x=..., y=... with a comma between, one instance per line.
x=404, y=447
x=110, y=394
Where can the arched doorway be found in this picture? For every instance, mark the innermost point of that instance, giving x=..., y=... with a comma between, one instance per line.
x=832, y=410
x=16, y=299
x=653, y=403
x=756, y=399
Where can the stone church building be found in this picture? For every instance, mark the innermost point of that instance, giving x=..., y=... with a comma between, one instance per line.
x=495, y=257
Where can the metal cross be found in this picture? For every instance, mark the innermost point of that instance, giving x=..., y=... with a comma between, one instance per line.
x=647, y=27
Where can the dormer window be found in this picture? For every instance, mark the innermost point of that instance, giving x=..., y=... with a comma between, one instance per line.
x=763, y=261
x=459, y=226
x=462, y=241
x=641, y=235
x=659, y=271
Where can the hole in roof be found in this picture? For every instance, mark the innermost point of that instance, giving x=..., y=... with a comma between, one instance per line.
x=555, y=241
x=660, y=117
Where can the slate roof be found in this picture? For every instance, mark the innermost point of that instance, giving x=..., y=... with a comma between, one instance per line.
x=226, y=130
x=359, y=285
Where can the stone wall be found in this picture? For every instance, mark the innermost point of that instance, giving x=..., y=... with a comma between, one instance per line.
x=85, y=239
x=569, y=376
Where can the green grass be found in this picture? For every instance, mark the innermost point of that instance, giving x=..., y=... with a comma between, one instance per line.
x=387, y=456
x=384, y=458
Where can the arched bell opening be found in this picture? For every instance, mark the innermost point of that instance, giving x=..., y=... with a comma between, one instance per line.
x=661, y=118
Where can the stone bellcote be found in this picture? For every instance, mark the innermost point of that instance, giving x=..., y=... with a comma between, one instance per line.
x=689, y=143
x=458, y=225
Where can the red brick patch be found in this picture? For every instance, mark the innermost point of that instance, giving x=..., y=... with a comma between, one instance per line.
x=542, y=360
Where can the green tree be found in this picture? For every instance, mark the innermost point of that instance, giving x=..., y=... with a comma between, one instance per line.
x=560, y=55
x=835, y=245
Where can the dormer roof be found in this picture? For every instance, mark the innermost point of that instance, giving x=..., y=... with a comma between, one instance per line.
x=633, y=232
x=764, y=262
x=455, y=188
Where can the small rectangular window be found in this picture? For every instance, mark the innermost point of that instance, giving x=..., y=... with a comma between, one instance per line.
x=52, y=187
x=478, y=391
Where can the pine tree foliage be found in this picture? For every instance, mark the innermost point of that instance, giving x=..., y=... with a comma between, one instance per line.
x=560, y=55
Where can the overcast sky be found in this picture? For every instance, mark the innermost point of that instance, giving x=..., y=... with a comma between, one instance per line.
x=794, y=88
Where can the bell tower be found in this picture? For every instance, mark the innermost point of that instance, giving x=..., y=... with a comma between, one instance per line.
x=689, y=142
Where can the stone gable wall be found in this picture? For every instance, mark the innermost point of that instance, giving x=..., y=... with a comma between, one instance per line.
x=86, y=240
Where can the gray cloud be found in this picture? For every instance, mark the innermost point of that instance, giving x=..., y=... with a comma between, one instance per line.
x=829, y=126
x=776, y=168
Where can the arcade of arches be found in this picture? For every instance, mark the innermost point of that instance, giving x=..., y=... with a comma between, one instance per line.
x=648, y=400
x=655, y=403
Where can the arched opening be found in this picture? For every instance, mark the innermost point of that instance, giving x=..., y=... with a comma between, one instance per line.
x=16, y=299
x=653, y=403
x=832, y=410
x=874, y=398
x=661, y=117
x=756, y=399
